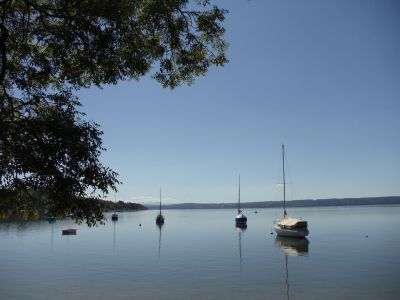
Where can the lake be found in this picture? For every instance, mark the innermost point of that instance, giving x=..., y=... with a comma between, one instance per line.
x=351, y=253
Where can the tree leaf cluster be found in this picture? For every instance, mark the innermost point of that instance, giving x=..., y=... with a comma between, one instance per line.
x=49, y=49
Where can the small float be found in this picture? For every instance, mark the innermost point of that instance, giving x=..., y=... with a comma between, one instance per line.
x=69, y=231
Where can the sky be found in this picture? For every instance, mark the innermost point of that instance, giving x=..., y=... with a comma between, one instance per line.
x=322, y=77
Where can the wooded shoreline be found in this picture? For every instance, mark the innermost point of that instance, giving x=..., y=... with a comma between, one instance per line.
x=389, y=200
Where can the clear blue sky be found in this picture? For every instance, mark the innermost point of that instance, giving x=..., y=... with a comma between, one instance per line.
x=323, y=77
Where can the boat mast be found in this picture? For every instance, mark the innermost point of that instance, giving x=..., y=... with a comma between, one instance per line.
x=115, y=200
x=284, y=182
x=160, y=201
x=239, y=197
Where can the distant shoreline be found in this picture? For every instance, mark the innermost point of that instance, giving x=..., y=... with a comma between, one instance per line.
x=389, y=200
x=120, y=206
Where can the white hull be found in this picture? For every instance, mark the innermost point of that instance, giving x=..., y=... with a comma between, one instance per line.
x=295, y=232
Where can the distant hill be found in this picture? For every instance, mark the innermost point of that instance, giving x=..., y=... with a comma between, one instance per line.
x=293, y=203
x=120, y=206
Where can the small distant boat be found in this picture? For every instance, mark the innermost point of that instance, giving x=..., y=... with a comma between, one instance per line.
x=240, y=219
x=160, y=217
x=287, y=226
x=114, y=216
x=69, y=231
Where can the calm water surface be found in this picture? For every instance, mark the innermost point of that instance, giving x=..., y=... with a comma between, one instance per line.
x=199, y=254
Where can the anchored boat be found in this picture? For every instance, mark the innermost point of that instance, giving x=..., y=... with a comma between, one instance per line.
x=69, y=231
x=287, y=226
x=114, y=216
x=240, y=219
x=160, y=217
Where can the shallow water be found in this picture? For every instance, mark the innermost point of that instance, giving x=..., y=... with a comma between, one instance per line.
x=199, y=254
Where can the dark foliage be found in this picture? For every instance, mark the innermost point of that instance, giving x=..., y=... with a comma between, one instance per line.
x=48, y=51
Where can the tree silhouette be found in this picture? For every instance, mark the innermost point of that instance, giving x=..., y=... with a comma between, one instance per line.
x=49, y=154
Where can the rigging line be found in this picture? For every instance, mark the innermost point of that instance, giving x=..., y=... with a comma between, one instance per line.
x=239, y=196
x=291, y=193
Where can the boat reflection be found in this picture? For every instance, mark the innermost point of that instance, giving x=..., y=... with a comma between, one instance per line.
x=52, y=234
x=159, y=225
x=114, y=224
x=291, y=247
x=240, y=230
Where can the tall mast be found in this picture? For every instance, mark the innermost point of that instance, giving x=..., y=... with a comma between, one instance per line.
x=239, y=196
x=160, y=200
x=115, y=200
x=284, y=182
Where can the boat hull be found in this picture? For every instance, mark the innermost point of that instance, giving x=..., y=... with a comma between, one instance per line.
x=70, y=231
x=292, y=232
x=241, y=224
x=160, y=219
x=241, y=220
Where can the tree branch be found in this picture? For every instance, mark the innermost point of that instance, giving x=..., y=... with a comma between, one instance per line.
x=3, y=52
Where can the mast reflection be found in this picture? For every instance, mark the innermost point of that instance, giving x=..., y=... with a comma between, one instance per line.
x=240, y=230
x=114, y=224
x=291, y=247
x=159, y=225
x=52, y=235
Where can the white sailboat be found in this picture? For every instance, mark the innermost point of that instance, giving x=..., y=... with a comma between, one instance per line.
x=240, y=219
x=160, y=217
x=287, y=226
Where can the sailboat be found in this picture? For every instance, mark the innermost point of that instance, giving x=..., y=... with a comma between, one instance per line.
x=288, y=226
x=240, y=219
x=160, y=218
x=114, y=216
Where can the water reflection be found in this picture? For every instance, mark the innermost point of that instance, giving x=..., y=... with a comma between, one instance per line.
x=22, y=228
x=159, y=225
x=203, y=259
x=291, y=247
x=114, y=224
x=52, y=234
x=240, y=230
